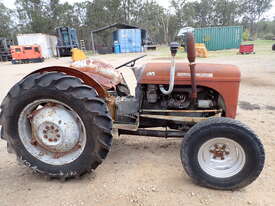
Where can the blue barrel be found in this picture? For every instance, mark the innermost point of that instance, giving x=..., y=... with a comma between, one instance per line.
x=116, y=47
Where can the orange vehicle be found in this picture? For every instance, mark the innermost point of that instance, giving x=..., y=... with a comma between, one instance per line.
x=60, y=121
x=26, y=54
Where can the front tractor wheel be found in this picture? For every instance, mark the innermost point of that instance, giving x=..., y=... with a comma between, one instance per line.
x=56, y=125
x=222, y=153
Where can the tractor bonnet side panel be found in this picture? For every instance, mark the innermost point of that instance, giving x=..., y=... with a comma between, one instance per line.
x=225, y=79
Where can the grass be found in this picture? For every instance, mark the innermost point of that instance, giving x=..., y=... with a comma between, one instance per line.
x=262, y=47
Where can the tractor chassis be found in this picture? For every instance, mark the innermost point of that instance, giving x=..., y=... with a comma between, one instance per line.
x=168, y=115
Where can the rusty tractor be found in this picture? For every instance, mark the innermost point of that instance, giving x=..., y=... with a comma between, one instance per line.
x=60, y=121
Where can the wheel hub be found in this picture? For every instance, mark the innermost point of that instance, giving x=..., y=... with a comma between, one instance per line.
x=219, y=151
x=55, y=129
x=49, y=134
x=221, y=157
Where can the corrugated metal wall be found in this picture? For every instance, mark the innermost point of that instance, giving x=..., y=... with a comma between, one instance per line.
x=219, y=38
x=129, y=40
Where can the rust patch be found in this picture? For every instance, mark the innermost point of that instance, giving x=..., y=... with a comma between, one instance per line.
x=111, y=106
x=74, y=72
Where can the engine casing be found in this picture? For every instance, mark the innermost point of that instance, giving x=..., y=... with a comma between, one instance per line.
x=224, y=79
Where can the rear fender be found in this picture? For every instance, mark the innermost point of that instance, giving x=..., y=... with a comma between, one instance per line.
x=76, y=73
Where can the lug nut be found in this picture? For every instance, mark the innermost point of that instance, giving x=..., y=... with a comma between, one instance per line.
x=52, y=127
x=56, y=130
x=44, y=131
x=45, y=136
x=47, y=127
x=50, y=140
x=58, y=135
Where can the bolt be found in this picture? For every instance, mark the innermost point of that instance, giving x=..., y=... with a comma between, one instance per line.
x=45, y=136
x=56, y=130
x=50, y=140
x=29, y=116
x=58, y=135
x=52, y=127
x=44, y=131
x=47, y=127
x=34, y=142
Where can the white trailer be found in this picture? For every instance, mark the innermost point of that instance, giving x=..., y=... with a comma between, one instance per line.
x=46, y=42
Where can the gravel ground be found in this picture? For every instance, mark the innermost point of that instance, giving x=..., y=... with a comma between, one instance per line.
x=148, y=171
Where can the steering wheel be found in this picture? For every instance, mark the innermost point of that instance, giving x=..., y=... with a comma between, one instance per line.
x=191, y=50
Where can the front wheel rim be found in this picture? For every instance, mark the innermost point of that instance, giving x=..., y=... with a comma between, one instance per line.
x=45, y=134
x=221, y=157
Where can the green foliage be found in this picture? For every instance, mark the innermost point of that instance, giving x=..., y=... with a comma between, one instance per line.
x=5, y=21
x=207, y=12
x=43, y=16
x=269, y=36
x=246, y=35
x=253, y=11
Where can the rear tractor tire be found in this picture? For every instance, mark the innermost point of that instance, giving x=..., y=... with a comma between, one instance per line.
x=56, y=125
x=222, y=153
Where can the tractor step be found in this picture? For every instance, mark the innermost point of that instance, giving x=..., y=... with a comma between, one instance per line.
x=126, y=126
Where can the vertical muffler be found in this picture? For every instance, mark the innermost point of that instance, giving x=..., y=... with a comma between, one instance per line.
x=191, y=55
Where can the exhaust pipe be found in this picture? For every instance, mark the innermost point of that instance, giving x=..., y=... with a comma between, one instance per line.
x=191, y=55
x=174, y=48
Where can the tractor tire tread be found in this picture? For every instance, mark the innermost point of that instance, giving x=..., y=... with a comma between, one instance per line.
x=76, y=89
x=225, y=123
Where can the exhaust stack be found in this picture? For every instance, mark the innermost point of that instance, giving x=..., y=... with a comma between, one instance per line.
x=191, y=55
x=173, y=48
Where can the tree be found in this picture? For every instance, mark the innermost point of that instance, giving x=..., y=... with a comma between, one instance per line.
x=32, y=16
x=154, y=19
x=43, y=16
x=206, y=13
x=253, y=11
x=226, y=12
x=5, y=21
x=184, y=13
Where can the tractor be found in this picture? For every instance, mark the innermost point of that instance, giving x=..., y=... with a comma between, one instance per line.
x=60, y=121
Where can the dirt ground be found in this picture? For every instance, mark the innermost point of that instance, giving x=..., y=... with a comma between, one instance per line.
x=148, y=171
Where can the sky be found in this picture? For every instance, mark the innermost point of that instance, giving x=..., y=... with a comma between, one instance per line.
x=164, y=3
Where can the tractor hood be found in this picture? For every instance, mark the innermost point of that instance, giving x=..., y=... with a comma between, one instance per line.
x=159, y=73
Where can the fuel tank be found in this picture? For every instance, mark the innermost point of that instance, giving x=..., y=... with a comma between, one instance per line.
x=223, y=78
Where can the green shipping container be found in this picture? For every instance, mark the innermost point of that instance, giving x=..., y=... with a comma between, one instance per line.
x=219, y=38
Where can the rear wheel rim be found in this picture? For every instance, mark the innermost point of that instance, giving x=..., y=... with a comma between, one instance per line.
x=47, y=136
x=221, y=157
